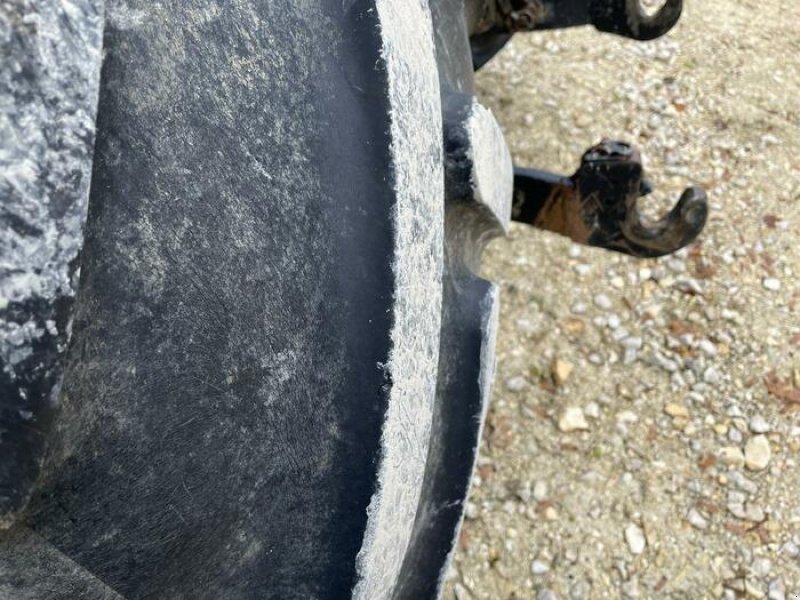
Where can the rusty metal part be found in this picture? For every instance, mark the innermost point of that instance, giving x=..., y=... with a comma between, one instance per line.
x=511, y=16
x=521, y=15
x=597, y=206
x=622, y=17
x=497, y=20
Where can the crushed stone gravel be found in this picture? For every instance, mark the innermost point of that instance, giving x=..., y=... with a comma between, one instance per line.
x=676, y=472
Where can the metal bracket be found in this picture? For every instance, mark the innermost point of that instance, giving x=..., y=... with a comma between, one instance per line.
x=500, y=19
x=627, y=18
x=597, y=206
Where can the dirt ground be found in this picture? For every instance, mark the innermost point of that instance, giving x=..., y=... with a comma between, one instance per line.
x=644, y=434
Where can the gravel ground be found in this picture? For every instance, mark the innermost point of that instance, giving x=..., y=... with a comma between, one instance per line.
x=644, y=435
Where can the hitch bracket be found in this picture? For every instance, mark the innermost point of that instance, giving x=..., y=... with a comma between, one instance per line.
x=597, y=205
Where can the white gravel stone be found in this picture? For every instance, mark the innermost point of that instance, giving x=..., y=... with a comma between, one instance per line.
x=776, y=590
x=632, y=343
x=732, y=456
x=515, y=384
x=622, y=569
x=592, y=410
x=678, y=381
x=572, y=419
x=740, y=482
x=582, y=269
x=731, y=315
x=754, y=513
x=761, y=567
x=737, y=510
x=578, y=308
x=629, y=356
x=758, y=424
x=735, y=435
x=525, y=325
x=757, y=453
x=707, y=347
x=691, y=286
x=630, y=589
x=634, y=536
x=736, y=497
x=676, y=265
x=753, y=589
x=771, y=284
x=791, y=549
x=461, y=593
x=619, y=334
x=665, y=363
x=696, y=520
x=539, y=567
x=602, y=301
x=712, y=376
x=540, y=491
x=579, y=591
x=696, y=397
x=522, y=490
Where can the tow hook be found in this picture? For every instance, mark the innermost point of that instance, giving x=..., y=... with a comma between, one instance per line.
x=629, y=19
x=597, y=206
x=622, y=17
x=500, y=19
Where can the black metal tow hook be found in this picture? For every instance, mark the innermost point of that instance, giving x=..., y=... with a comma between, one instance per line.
x=628, y=18
x=597, y=206
x=500, y=19
x=622, y=17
